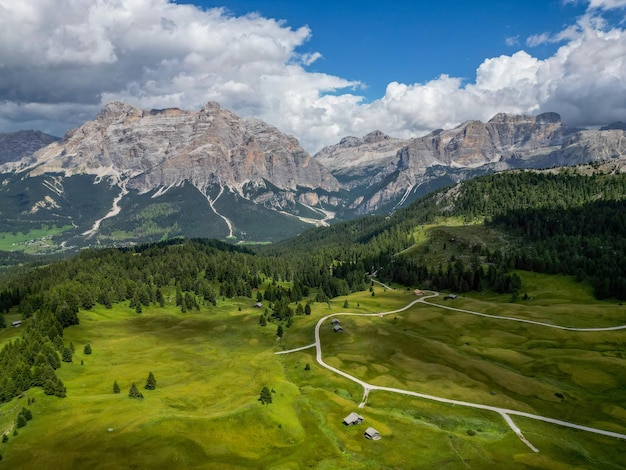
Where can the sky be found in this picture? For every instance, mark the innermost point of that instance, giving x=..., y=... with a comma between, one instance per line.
x=317, y=70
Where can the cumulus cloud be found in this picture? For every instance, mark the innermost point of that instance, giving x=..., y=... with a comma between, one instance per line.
x=61, y=60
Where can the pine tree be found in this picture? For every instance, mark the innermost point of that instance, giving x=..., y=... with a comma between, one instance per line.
x=159, y=298
x=27, y=414
x=279, y=331
x=21, y=421
x=307, y=309
x=87, y=349
x=150, y=382
x=133, y=392
x=266, y=396
x=5, y=438
x=116, y=387
x=67, y=355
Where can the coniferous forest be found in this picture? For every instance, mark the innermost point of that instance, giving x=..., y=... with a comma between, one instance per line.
x=564, y=222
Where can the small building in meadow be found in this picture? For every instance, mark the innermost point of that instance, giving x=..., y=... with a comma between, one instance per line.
x=450, y=296
x=372, y=434
x=352, y=419
x=258, y=305
x=334, y=321
x=418, y=292
x=337, y=328
x=16, y=323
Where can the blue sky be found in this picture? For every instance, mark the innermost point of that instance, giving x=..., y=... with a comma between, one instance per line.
x=412, y=41
x=317, y=70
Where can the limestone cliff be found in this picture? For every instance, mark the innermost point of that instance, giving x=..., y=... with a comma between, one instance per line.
x=164, y=148
x=392, y=172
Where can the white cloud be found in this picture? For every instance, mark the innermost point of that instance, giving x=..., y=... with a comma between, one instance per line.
x=61, y=60
x=512, y=41
x=606, y=4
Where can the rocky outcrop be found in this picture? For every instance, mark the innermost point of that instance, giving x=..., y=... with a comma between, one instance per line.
x=164, y=148
x=400, y=168
x=355, y=157
x=16, y=145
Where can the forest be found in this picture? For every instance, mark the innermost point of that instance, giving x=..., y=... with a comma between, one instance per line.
x=565, y=222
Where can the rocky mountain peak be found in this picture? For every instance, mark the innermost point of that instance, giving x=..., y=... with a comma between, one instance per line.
x=398, y=168
x=375, y=137
x=348, y=158
x=164, y=148
x=117, y=111
x=212, y=107
x=16, y=145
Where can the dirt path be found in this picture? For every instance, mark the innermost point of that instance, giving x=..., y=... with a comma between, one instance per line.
x=504, y=412
x=520, y=320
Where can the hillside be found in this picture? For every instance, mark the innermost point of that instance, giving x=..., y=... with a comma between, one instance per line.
x=184, y=313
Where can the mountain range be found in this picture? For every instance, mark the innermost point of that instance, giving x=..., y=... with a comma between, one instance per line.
x=140, y=175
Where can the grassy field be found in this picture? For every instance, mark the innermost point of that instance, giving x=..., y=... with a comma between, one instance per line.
x=210, y=367
x=35, y=241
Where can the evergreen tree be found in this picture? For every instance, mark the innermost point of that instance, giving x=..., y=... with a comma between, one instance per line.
x=21, y=421
x=262, y=320
x=116, y=387
x=87, y=349
x=307, y=309
x=345, y=304
x=133, y=392
x=27, y=414
x=279, y=331
x=67, y=355
x=159, y=298
x=150, y=382
x=5, y=438
x=266, y=396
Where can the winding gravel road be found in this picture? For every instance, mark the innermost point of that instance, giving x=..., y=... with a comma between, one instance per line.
x=504, y=412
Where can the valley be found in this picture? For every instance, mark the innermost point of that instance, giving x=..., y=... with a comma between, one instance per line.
x=211, y=365
x=279, y=235
x=480, y=325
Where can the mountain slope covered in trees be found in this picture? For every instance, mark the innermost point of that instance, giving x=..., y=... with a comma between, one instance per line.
x=569, y=222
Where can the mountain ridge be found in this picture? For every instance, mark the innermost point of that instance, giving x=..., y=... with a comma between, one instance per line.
x=246, y=172
x=394, y=174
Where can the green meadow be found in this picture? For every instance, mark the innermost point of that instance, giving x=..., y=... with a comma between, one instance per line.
x=211, y=365
x=35, y=241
